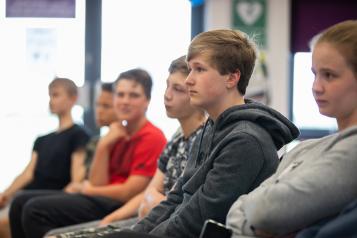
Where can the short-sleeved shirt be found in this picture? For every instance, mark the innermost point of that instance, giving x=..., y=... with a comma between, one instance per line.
x=174, y=158
x=54, y=150
x=137, y=155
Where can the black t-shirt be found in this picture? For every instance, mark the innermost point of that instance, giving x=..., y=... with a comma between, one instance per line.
x=53, y=167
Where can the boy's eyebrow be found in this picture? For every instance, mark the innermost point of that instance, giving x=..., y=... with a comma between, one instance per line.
x=177, y=84
x=193, y=64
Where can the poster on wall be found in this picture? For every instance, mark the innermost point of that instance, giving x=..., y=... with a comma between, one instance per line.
x=41, y=52
x=40, y=46
x=250, y=17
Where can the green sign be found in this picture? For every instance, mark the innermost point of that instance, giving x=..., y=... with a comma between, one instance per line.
x=250, y=16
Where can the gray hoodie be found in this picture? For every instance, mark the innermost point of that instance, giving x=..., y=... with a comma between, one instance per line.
x=314, y=181
x=231, y=157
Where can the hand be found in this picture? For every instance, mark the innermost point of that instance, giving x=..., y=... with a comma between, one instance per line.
x=108, y=219
x=74, y=187
x=152, y=198
x=87, y=188
x=116, y=131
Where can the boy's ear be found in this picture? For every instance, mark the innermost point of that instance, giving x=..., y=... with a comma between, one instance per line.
x=74, y=99
x=233, y=79
x=147, y=104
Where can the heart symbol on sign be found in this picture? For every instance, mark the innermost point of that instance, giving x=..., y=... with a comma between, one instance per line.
x=249, y=11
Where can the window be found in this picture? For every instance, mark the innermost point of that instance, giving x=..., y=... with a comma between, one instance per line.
x=308, y=18
x=306, y=115
x=146, y=34
x=33, y=51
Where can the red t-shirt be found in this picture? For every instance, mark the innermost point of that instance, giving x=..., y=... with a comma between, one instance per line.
x=138, y=155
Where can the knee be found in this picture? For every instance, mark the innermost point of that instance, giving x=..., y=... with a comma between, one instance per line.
x=31, y=211
x=16, y=206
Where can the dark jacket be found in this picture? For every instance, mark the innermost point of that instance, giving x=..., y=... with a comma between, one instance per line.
x=344, y=225
x=231, y=157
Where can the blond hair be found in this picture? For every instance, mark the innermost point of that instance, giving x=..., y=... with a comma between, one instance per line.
x=227, y=51
x=69, y=86
x=179, y=65
x=344, y=37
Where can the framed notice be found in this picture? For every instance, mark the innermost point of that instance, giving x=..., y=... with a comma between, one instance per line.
x=250, y=17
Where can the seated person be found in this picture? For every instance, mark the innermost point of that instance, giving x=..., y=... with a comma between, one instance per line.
x=171, y=163
x=52, y=167
x=104, y=116
x=318, y=178
x=124, y=163
x=237, y=148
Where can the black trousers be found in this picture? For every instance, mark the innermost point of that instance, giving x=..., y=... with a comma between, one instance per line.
x=34, y=213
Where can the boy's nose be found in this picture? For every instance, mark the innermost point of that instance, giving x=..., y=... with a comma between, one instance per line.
x=189, y=80
x=317, y=87
x=167, y=95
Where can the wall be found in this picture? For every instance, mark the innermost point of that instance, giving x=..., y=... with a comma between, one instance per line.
x=218, y=15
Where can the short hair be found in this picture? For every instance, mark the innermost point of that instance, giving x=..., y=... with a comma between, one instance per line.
x=227, y=51
x=139, y=76
x=179, y=65
x=343, y=36
x=69, y=86
x=107, y=87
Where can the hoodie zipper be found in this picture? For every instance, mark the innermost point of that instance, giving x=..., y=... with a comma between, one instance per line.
x=201, y=154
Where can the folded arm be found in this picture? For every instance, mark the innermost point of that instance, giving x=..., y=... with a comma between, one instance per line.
x=301, y=197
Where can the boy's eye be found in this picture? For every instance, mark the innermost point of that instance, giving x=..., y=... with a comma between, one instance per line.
x=104, y=106
x=199, y=69
x=134, y=95
x=328, y=75
x=179, y=89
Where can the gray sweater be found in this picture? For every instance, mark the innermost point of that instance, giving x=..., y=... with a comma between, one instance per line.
x=314, y=181
x=232, y=156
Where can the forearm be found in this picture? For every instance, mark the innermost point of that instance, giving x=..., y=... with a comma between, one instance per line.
x=120, y=192
x=162, y=211
x=157, y=215
x=128, y=210
x=318, y=190
x=98, y=174
x=20, y=182
x=99, y=171
x=115, y=191
x=78, y=175
x=24, y=178
x=150, y=201
x=78, y=169
x=236, y=219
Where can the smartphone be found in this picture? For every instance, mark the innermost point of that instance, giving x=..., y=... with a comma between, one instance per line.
x=213, y=229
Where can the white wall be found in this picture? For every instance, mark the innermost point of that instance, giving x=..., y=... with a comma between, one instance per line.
x=218, y=15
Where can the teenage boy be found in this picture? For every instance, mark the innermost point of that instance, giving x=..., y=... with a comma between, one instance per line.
x=104, y=116
x=125, y=161
x=236, y=151
x=171, y=164
x=55, y=157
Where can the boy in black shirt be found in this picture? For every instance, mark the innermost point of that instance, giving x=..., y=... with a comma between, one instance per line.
x=56, y=156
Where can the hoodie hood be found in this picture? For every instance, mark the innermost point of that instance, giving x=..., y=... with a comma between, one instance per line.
x=278, y=126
